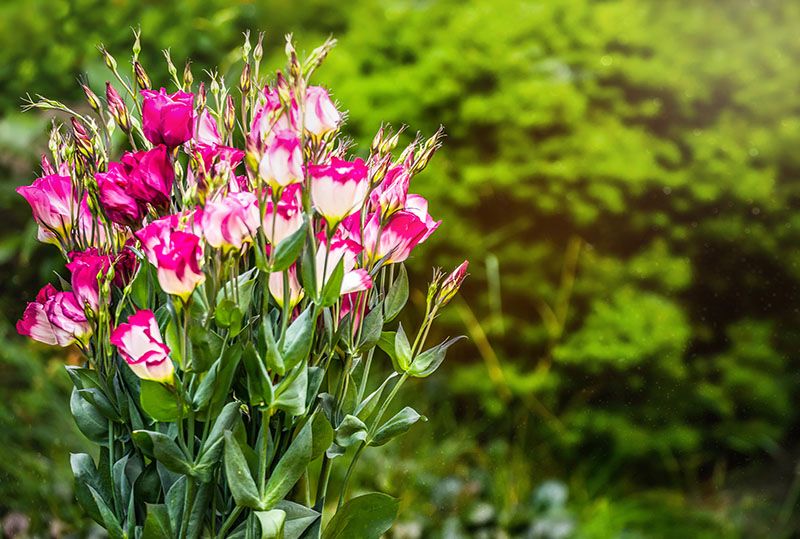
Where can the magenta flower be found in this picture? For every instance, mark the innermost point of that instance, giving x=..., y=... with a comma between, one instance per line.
x=140, y=344
x=390, y=195
x=206, y=131
x=338, y=189
x=54, y=206
x=281, y=163
x=232, y=221
x=285, y=218
x=87, y=267
x=276, y=287
x=116, y=196
x=167, y=118
x=177, y=256
x=150, y=176
x=321, y=114
x=55, y=318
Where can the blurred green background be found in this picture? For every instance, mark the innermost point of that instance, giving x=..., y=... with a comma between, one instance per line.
x=624, y=177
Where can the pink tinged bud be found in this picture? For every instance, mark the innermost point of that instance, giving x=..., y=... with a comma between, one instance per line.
x=88, y=268
x=116, y=196
x=177, y=256
x=281, y=163
x=167, y=118
x=321, y=114
x=139, y=342
x=285, y=219
x=452, y=283
x=277, y=290
x=390, y=195
x=206, y=131
x=54, y=206
x=353, y=304
x=232, y=221
x=354, y=280
x=117, y=107
x=338, y=189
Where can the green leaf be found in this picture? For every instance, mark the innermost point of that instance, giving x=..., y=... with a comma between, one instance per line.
x=241, y=483
x=290, y=468
x=370, y=403
x=156, y=524
x=159, y=401
x=98, y=399
x=350, y=431
x=272, y=523
x=371, y=329
x=259, y=386
x=163, y=449
x=228, y=315
x=206, y=347
x=173, y=339
x=333, y=288
x=402, y=349
x=290, y=393
x=396, y=296
x=386, y=343
x=308, y=274
x=85, y=472
x=298, y=519
x=397, y=425
x=140, y=287
x=366, y=517
x=321, y=435
x=297, y=342
x=213, y=445
x=274, y=358
x=226, y=369
x=107, y=518
x=90, y=421
x=289, y=249
x=428, y=361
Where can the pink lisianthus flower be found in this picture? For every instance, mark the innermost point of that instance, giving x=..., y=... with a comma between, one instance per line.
x=355, y=305
x=150, y=176
x=167, y=118
x=269, y=118
x=232, y=221
x=116, y=196
x=338, y=189
x=177, y=256
x=55, y=318
x=390, y=195
x=281, y=162
x=140, y=344
x=355, y=279
x=54, y=204
x=87, y=269
x=283, y=219
x=276, y=287
x=206, y=131
x=320, y=115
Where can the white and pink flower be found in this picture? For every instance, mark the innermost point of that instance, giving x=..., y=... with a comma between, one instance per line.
x=54, y=204
x=283, y=219
x=338, y=189
x=140, y=344
x=276, y=287
x=281, y=162
x=320, y=115
x=232, y=221
x=355, y=279
x=55, y=318
x=176, y=254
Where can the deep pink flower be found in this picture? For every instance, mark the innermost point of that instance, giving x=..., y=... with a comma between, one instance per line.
x=321, y=114
x=232, y=221
x=116, y=196
x=206, y=131
x=338, y=189
x=281, y=162
x=177, y=255
x=150, y=176
x=167, y=118
x=55, y=318
x=87, y=268
x=54, y=205
x=139, y=342
x=285, y=218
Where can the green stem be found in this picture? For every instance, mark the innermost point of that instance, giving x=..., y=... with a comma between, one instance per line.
x=229, y=521
x=350, y=468
x=188, y=502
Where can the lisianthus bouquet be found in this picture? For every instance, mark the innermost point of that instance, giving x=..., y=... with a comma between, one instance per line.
x=229, y=279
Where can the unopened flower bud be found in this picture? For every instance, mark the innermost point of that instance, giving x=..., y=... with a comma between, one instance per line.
x=91, y=97
x=244, y=80
x=118, y=109
x=258, y=52
x=137, y=44
x=142, y=80
x=83, y=142
x=282, y=86
x=452, y=283
x=230, y=114
x=188, y=78
x=377, y=141
x=202, y=96
x=246, y=47
x=111, y=63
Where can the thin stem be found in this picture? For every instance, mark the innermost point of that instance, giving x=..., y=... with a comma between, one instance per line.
x=229, y=521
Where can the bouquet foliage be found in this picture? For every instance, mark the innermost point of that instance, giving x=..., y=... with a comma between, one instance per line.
x=230, y=276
